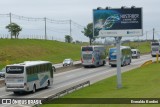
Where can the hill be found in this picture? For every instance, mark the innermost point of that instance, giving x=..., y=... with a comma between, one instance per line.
x=19, y=50
x=143, y=46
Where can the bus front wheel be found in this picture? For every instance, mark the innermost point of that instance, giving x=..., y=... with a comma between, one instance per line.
x=34, y=88
x=103, y=63
x=48, y=84
x=15, y=92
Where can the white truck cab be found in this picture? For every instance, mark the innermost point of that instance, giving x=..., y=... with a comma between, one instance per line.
x=135, y=53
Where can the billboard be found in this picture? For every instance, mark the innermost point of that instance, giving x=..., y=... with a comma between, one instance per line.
x=117, y=22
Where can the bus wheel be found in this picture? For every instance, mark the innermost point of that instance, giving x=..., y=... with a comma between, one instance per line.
x=48, y=84
x=103, y=63
x=85, y=66
x=129, y=62
x=123, y=64
x=113, y=65
x=15, y=92
x=34, y=88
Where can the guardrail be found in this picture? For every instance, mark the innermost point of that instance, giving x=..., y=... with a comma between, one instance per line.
x=64, y=92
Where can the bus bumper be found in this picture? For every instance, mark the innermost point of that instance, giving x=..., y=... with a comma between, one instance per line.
x=114, y=62
x=15, y=87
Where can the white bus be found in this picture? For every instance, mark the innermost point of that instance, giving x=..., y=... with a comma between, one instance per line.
x=93, y=56
x=155, y=48
x=28, y=76
x=126, y=56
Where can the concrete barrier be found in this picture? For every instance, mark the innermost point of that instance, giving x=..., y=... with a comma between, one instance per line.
x=67, y=68
x=1, y=83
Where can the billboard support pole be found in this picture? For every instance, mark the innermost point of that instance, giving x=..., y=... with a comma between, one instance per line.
x=118, y=44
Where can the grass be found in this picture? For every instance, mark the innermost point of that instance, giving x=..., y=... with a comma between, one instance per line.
x=19, y=50
x=144, y=47
x=138, y=83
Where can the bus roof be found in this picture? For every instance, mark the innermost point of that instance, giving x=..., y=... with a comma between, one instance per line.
x=122, y=47
x=29, y=63
x=94, y=46
x=134, y=49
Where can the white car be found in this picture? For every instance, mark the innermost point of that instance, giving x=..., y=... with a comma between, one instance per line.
x=2, y=73
x=68, y=62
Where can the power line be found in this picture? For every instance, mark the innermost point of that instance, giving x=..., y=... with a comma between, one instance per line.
x=46, y=22
x=78, y=25
x=4, y=15
x=57, y=31
x=58, y=21
x=26, y=18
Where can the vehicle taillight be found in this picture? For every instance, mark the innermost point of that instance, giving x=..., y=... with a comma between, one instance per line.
x=81, y=60
x=92, y=60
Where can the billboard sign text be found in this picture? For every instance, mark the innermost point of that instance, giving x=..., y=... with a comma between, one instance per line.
x=117, y=22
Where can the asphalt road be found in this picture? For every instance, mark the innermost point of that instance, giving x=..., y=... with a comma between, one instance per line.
x=61, y=64
x=70, y=78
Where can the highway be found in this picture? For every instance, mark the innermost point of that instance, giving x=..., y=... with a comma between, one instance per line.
x=70, y=78
x=61, y=64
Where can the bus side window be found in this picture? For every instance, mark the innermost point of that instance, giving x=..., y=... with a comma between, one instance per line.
x=32, y=70
x=41, y=68
x=35, y=69
x=47, y=65
x=38, y=68
x=28, y=71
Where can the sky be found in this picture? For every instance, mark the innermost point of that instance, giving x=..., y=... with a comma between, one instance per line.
x=79, y=11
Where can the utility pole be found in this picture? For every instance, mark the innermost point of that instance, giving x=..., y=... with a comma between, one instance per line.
x=146, y=36
x=70, y=23
x=118, y=45
x=10, y=19
x=153, y=34
x=45, y=29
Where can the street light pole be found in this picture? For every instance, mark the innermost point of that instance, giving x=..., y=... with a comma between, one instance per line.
x=118, y=44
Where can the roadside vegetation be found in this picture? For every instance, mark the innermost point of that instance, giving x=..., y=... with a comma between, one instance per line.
x=138, y=83
x=19, y=50
x=144, y=47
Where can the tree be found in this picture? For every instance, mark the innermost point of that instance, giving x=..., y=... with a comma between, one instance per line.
x=68, y=39
x=88, y=32
x=14, y=29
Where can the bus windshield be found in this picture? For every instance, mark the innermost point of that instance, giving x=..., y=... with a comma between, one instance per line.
x=154, y=48
x=87, y=49
x=155, y=44
x=113, y=51
x=14, y=69
x=112, y=54
x=87, y=56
